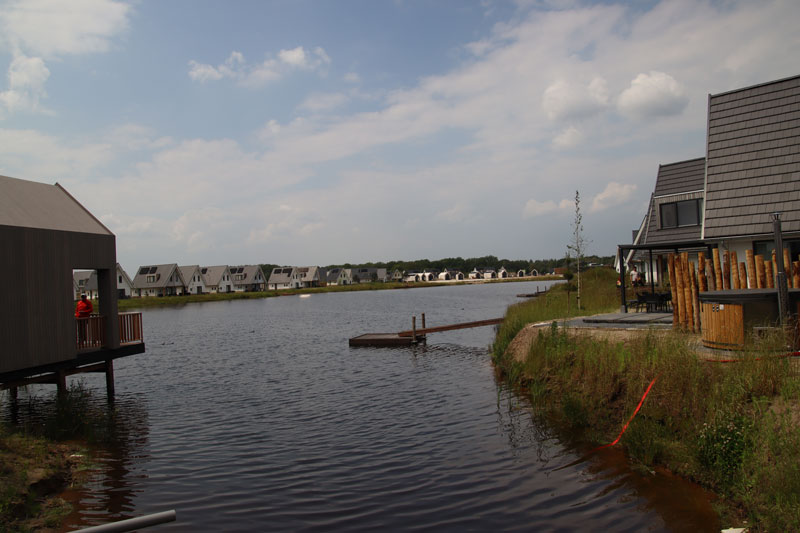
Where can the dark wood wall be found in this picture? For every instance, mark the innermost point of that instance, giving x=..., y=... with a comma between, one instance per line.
x=37, y=324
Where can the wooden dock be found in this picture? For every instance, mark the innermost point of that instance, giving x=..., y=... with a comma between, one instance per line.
x=463, y=325
x=385, y=339
x=415, y=336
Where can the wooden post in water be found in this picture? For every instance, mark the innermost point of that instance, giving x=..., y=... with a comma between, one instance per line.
x=735, y=284
x=423, y=320
x=752, y=278
x=414, y=328
x=61, y=382
x=717, y=270
x=726, y=270
x=673, y=288
x=769, y=274
x=701, y=272
x=742, y=275
x=110, y=380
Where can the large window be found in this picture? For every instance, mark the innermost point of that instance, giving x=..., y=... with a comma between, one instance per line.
x=677, y=214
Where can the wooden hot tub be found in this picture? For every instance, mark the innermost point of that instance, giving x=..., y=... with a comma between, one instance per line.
x=727, y=318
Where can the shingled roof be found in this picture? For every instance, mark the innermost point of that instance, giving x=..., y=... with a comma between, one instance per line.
x=753, y=160
x=675, y=182
x=30, y=204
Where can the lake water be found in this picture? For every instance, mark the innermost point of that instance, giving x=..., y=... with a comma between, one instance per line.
x=256, y=415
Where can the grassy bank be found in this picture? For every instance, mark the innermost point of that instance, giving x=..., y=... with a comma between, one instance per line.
x=38, y=460
x=598, y=295
x=137, y=303
x=732, y=427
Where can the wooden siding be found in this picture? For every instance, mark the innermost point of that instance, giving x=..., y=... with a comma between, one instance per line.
x=37, y=324
x=753, y=160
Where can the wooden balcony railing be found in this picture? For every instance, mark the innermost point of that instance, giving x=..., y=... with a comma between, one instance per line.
x=90, y=332
x=130, y=328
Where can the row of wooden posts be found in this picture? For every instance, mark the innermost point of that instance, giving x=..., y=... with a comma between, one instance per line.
x=720, y=273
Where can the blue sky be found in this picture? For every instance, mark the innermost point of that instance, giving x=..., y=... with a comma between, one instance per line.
x=319, y=132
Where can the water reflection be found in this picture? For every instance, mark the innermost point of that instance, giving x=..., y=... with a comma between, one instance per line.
x=680, y=505
x=117, y=438
x=256, y=414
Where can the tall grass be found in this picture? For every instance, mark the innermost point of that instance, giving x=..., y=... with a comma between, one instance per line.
x=733, y=427
x=598, y=295
x=39, y=456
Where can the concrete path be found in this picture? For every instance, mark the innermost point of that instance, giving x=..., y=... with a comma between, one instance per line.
x=624, y=320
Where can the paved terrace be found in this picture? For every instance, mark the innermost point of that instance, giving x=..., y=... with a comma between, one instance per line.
x=622, y=320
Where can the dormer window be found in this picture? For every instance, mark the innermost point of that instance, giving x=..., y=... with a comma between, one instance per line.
x=679, y=214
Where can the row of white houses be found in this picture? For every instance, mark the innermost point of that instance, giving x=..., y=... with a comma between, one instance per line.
x=173, y=280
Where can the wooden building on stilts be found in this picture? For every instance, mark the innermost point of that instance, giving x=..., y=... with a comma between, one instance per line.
x=46, y=234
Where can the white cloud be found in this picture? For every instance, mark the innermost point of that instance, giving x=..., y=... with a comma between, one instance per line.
x=295, y=57
x=259, y=74
x=653, y=95
x=37, y=29
x=535, y=208
x=613, y=195
x=567, y=100
x=568, y=138
x=202, y=73
x=52, y=27
x=26, y=80
x=30, y=154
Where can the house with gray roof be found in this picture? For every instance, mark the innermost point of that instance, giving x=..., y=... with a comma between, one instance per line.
x=753, y=167
x=248, y=278
x=674, y=214
x=309, y=276
x=193, y=279
x=217, y=278
x=283, y=278
x=368, y=275
x=332, y=276
x=727, y=199
x=85, y=283
x=158, y=280
x=124, y=283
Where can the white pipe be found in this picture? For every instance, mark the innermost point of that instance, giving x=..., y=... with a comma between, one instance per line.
x=132, y=523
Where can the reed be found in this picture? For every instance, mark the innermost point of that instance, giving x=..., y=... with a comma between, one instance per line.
x=733, y=427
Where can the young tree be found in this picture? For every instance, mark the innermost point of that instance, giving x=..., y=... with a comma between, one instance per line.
x=578, y=244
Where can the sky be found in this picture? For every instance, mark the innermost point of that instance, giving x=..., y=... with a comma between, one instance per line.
x=301, y=132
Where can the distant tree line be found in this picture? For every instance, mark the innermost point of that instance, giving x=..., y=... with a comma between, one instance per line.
x=542, y=266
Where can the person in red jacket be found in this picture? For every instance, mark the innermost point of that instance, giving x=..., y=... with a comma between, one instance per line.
x=83, y=310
